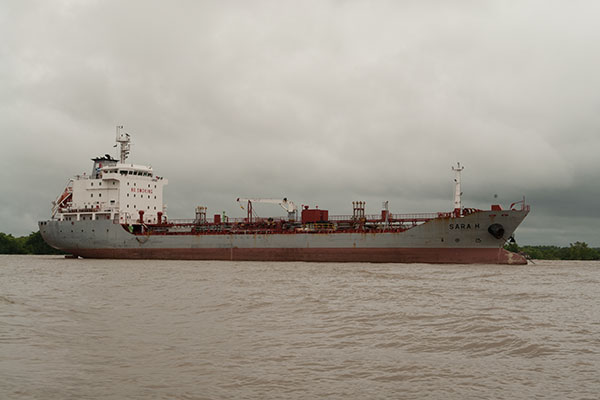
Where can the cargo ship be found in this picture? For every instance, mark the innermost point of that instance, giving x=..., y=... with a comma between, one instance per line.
x=117, y=211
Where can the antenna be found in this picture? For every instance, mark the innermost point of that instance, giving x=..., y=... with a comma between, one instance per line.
x=124, y=140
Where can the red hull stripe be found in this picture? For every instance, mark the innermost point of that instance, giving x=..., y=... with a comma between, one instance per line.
x=381, y=255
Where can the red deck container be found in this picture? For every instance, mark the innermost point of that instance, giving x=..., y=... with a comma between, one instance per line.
x=314, y=215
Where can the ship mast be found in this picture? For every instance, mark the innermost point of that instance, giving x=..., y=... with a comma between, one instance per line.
x=124, y=140
x=457, y=191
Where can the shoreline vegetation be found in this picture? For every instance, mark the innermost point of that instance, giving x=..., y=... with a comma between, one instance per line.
x=31, y=244
x=575, y=251
x=34, y=244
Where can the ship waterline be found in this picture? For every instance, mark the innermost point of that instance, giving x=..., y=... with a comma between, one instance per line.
x=379, y=255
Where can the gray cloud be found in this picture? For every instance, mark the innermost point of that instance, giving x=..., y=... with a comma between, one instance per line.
x=324, y=102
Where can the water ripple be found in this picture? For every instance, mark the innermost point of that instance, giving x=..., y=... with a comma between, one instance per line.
x=219, y=330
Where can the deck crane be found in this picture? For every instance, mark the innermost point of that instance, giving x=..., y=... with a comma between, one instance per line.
x=286, y=204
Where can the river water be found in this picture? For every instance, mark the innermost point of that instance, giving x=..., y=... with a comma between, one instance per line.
x=114, y=329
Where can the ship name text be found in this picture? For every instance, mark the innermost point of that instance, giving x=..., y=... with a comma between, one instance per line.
x=463, y=226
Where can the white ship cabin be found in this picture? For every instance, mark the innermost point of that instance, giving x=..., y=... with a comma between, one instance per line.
x=115, y=190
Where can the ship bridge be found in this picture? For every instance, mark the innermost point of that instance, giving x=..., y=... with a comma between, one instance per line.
x=127, y=169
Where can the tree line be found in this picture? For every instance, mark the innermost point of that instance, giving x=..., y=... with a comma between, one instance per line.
x=31, y=244
x=575, y=251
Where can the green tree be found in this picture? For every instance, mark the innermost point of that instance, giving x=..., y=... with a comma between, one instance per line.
x=576, y=251
x=581, y=251
x=9, y=244
x=31, y=244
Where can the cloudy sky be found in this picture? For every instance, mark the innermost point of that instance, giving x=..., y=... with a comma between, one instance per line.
x=323, y=102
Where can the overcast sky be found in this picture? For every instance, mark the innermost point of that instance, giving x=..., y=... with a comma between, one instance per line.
x=323, y=102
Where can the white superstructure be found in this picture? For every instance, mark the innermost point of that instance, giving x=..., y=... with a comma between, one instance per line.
x=115, y=190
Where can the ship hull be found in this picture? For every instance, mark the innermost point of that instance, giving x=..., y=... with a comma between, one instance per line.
x=461, y=240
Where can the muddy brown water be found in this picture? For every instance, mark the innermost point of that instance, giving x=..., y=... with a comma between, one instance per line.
x=114, y=329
